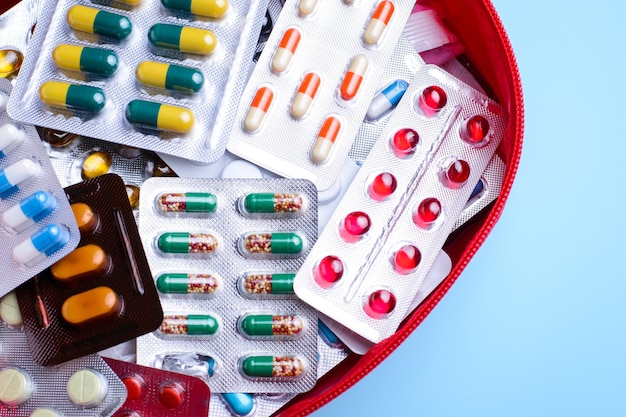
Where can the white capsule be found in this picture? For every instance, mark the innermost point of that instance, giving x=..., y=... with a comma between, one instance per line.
x=17, y=175
x=11, y=137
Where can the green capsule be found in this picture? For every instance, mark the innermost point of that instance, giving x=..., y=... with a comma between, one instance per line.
x=190, y=202
x=160, y=116
x=72, y=96
x=97, y=61
x=183, y=283
x=271, y=325
x=100, y=22
x=210, y=8
x=273, y=203
x=185, y=242
x=257, y=284
x=272, y=366
x=272, y=243
x=191, y=324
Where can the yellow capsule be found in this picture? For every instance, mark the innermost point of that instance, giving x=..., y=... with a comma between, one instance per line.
x=96, y=164
x=100, y=22
x=169, y=76
x=132, y=191
x=72, y=96
x=209, y=8
x=10, y=62
x=160, y=116
x=182, y=38
x=98, y=61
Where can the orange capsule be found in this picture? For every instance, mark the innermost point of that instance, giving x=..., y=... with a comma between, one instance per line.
x=305, y=95
x=352, y=81
x=286, y=48
x=325, y=140
x=258, y=109
x=378, y=22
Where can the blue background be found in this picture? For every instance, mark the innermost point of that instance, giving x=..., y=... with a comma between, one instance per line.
x=535, y=326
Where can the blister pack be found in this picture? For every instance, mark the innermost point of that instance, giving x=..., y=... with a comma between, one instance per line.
x=315, y=80
x=37, y=227
x=393, y=220
x=224, y=253
x=15, y=26
x=83, y=387
x=155, y=392
x=102, y=293
x=163, y=76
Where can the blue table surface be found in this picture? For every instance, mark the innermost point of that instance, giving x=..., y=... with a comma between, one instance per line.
x=536, y=324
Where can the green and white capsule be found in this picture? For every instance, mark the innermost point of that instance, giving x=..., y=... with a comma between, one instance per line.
x=98, y=61
x=275, y=243
x=169, y=76
x=187, y=283
x=160, y=116
x=100, y=22
x=190, y=324
x=258, y=284
x=182, y=38
x=185, y=242
x=274, y=203
x=272, y=366
x=268, y=325
x=72, y=96
x=190, y=202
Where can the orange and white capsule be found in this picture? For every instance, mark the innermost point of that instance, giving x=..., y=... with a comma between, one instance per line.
x=306, y=94
x=285, y=51
x=354, y=76
x=378, y=22
x=325, y=140
x=258, y=109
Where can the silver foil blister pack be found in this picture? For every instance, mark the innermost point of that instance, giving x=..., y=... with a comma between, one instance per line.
x=224, y=253
x=37, y=227
x=311, y=87
x=391, y=223
x=183, y=104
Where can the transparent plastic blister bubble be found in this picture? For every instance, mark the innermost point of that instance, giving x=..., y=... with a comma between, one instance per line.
x=83, y=387
x=15, y=32
x=412, y=188
x=314, y=81
x=37, y=227
x=144, y=76
x=224, y=255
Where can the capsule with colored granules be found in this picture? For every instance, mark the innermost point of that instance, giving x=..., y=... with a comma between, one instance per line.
x=186, y=283
x=169, y=76
x=190, y=202
x=100, y=22
x=274, y=284
x=160, y=116
x=182, y=38
x=287, y=243
x=279, y=203
x=72, y=96
x=263, y=325
x=185, y=242
x=98, y=61
x=190, y=324
x=209, y=8
x=272, y=366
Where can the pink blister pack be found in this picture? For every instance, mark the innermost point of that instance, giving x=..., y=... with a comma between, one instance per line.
x=372, y=257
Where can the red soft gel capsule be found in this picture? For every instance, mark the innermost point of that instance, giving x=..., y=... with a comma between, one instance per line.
x=404, y=142
x=432, y=100
x=383, y=185
x=328, y=271
x=476, y=130
x=456, y=173
x=380, y=303
x=171, y=395
x=355, y=226
x=406, y=259
x=134, y=385
x=427, y=213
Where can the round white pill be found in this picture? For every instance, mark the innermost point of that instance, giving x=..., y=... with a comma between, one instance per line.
x=45, y=412
x=87, y=388
x=16, y=386
x=10, y=311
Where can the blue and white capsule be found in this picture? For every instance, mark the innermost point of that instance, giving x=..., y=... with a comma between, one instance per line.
x=41, y=244
x=11, y=137
x=15, y=176
x=28, y=211
x=386, y=100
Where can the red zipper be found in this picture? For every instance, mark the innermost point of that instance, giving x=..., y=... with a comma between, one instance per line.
x=301, y=405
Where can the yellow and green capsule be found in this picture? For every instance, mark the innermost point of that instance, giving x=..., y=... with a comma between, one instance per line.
x=72, y=96
x=209, y=8
x=160, y=116
x=100, y=22
x=268, y=366
x=97, y=61
x=182, y=38
x=169, y=76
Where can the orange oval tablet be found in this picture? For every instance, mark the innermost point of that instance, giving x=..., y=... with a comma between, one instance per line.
x=91, y=307
x=89, y=261
x=85, y=217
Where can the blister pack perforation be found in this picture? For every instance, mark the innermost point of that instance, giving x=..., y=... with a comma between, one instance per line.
x=403, y=203
x=147, y=75
x=224, y=253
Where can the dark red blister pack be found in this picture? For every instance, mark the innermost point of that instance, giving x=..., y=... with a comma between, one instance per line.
x=155, y=392
x=100, y=295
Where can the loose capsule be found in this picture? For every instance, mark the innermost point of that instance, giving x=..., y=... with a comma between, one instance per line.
x=306, y=7
x=100, y=22
x=306, y=94
x=72, y=96
x=239, y=404
x=272, y=366
x=28, y=211
x=285, y=51
x=271, y=325
x=191, y=324
x=186, y=283
x=10, y=62
x=354, y=76
x=182, y=38
x=184, y=242
x=378, y=22
x=260, y=203
x=41, y=244
x=386, y=100
x=169, y=76
x=258, y=109
x=209, y=8
x=160, y=116
x=275, y=284
x=325, y=140
x=271, y=243
x=17, y=175
x=97, y=61
x=190, y=202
